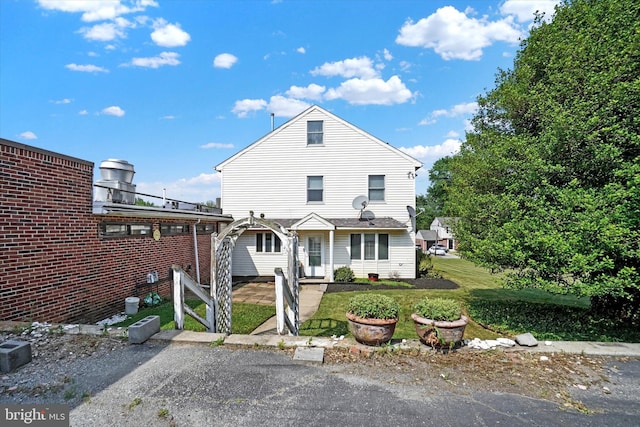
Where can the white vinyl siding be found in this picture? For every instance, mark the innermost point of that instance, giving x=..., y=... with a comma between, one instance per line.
x=345, y=160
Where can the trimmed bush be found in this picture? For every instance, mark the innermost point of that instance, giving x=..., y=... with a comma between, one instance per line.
x=374, y=306
x=441, y=309
x=343, y=274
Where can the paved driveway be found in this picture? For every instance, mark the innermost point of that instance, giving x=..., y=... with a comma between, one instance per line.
x=158, y=384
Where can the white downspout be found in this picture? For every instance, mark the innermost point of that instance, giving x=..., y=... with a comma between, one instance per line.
x=195, y=248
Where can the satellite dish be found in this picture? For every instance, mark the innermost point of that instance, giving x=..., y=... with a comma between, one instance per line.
x=367, y=216
x=360, y=202
x=412, y=216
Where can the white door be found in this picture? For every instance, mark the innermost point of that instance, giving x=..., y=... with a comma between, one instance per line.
x=315, y=266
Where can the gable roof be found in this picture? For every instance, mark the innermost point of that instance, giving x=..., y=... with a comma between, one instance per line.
x=416, y=163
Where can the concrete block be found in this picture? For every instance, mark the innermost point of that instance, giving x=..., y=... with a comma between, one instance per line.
x=14, y=354
x=309, y=354
x=143, y=329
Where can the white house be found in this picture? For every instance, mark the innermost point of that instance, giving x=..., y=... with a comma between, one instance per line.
x=343, y=191
x=443, y=227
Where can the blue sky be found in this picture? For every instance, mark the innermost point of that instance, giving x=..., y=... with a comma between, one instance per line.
x=176, y=87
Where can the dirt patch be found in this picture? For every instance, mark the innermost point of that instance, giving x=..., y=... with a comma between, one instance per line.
x=468, y=371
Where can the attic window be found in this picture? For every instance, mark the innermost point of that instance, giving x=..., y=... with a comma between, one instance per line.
x=314, y=132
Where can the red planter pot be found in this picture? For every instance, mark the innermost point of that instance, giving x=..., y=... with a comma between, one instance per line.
x=371, y=331
x=439, y=333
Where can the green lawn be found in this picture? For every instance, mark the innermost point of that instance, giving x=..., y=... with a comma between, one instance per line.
x=244, y=317
x=504, y=312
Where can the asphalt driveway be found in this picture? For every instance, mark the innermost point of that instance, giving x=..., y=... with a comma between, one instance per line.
x=159, y=384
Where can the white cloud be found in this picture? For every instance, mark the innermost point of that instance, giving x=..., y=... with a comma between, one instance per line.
x=165, y=58
x=216, y=145
x=62, y=101
x=301, y=50
x=96, y=10
x=278, y=105
x=431, y=153
x=113, y=111
x=243, y=107
x=83, y=112
x=371, y=91
x=102, y=32
x=169, y=35
x=168, y=117
x=89, y=68
x=286, y=107
x=454, y=35
x=225, y=60
x=197, y=189
x=465, y=108
x=453, y=134
x=355, y=67
x=313, y=91
x=28, y=135
x=387, y=55
x=524, y=10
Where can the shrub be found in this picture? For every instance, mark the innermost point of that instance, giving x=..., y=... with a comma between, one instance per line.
x=343, y=274
x=374, y=306
x=441, y=309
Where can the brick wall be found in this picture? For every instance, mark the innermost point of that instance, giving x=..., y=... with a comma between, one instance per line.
x=54, y=265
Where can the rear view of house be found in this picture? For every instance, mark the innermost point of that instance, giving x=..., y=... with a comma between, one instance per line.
x=342, y=190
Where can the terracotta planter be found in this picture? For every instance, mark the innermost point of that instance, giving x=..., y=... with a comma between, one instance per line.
x=439, y=333
x=373, y=277
x=371, y=331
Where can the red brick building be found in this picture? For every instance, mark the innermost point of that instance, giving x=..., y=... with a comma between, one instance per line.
x=67, y=259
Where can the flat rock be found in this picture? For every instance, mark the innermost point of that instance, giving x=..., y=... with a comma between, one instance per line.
x=309, y=354
x=526, y=340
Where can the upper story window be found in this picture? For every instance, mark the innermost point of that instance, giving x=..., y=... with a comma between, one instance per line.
x=314, y=132
x=376, y=188
x=314, y=189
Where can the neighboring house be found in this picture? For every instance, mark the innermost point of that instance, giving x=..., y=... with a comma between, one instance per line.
x=443, y=227
x=67, y=257
x=425, y=239
x=311, y=175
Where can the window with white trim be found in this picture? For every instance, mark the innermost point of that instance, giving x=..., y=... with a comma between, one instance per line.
x=314, y=188
x=314, y=132
x=268, y=242
x=369, y=246
x=376, y=188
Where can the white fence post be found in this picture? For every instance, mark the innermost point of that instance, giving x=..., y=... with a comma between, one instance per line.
x=178, y=297
x=279, y=300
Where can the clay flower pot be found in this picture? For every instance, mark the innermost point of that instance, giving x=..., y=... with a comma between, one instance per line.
x=438, y=333
x=371, y=331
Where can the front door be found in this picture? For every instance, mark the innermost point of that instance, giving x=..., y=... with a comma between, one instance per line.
x=315, y=266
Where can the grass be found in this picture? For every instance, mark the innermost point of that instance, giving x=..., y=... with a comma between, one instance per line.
x=494, y=310
x=244, y=317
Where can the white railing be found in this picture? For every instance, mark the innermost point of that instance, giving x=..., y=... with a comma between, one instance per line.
x=180, y=280
x=286, y=306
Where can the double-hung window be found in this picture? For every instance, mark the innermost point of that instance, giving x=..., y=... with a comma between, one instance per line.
x=314, y=132
x=376, y=188
x=314, y=189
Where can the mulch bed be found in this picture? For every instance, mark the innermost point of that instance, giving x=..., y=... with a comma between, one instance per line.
x=416, y=284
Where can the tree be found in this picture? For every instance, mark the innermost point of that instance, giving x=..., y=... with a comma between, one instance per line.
x=142, y=202
x=434, y=202
x=547, y=185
